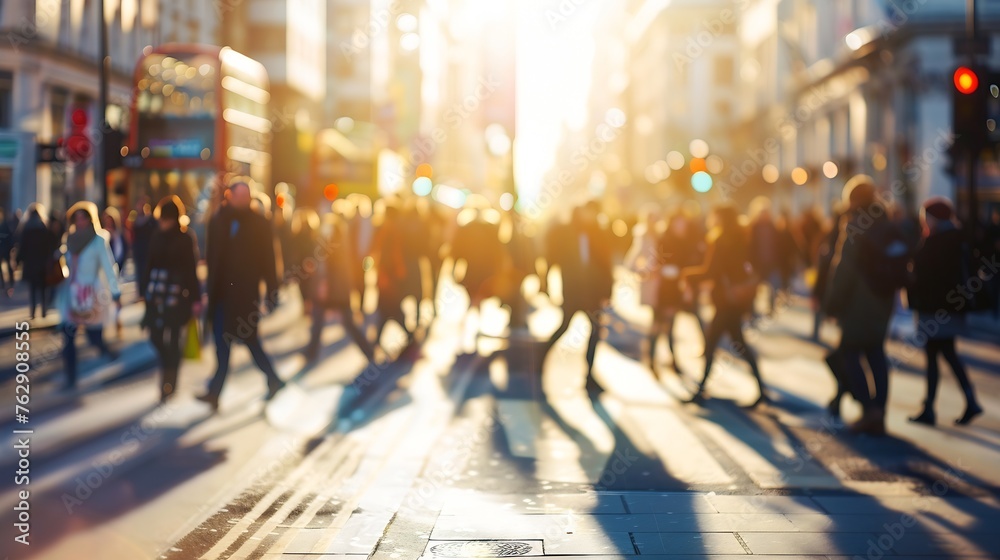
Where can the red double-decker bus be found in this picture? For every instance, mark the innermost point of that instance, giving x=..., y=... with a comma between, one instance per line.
x=199, y=116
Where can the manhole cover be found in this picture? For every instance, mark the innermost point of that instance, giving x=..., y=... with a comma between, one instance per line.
x=481, y=549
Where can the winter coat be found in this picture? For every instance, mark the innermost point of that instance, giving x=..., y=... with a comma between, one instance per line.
x=240, y=255
x=173, y=280
x=85, y=271
x=35, y=252
x=937, y=273
x=862, y=314
x=726, y=264
x=586, y=282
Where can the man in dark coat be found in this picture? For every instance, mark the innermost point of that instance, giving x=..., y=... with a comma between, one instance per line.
x=143, y=229
x=240, y=255
x=582, y=250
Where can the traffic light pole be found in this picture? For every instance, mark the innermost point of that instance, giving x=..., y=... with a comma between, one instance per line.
x=100, y=173
x=972, y=152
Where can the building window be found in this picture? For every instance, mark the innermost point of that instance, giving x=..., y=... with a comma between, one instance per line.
x=6, y=100
x=724, y=71
x=57, y=110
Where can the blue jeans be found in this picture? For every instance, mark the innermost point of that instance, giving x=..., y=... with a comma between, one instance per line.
x=222, y=351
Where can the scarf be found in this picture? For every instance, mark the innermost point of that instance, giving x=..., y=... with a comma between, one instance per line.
x=78, y=240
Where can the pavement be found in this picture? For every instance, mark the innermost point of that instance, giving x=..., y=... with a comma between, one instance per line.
x=461, y=449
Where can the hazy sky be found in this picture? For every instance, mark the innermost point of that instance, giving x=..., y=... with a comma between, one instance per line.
x=555, y=51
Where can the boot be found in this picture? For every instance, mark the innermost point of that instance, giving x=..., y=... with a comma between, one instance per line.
x=872, y=423
x=971, y=411
x=925, y=417
x=834, y=407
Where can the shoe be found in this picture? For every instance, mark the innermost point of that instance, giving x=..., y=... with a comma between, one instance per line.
x=926, y=417
x=592, y=387
x=211, y=400
x=272, y=391
x=872, y=423
x=833, y=409
x=698, y=397
x=971, y=411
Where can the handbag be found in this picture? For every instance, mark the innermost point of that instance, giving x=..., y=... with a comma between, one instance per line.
x=56, y=273
x=192, y=346
x=83, y=305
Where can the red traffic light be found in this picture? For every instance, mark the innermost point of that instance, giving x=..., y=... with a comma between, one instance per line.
x=966, y=81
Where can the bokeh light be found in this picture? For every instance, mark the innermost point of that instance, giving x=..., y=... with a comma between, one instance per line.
x=506, y=201
x=424, y=170
x=715, y=164
x=830, y=170
x=422, y=186
x=701, y=182
x=770, y=173
x=698, y=148
x=800, y=176
x=675, y=160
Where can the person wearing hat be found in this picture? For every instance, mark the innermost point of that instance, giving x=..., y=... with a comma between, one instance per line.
x=172, y=294
x=862, y=311
x=937, y=269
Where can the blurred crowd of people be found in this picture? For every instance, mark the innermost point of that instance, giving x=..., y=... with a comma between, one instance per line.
x=739, y=268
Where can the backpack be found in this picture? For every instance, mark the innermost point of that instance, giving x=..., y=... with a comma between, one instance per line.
x=885, y=259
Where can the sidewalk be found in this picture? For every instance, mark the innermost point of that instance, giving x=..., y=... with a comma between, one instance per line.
x=606, y=525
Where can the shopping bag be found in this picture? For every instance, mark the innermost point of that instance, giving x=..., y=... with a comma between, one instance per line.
x=192, y=347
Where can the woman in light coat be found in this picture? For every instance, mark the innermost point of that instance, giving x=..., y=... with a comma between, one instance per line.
x=84, y=298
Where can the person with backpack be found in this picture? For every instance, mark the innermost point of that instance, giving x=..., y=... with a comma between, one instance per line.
x=869, y=267
x=939, y=265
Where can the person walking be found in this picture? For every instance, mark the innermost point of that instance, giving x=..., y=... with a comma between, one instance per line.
x=83, y=298
x=673, y=255
x=331, y=286
x=35, y=254
x=765, y=248
x=583, y=253
x=112, y=222
x=734, y=285
x=173, y=295
x=143, y=228
x=8, y=240
x=860, y=302
x=240, y=255
x=938, y=266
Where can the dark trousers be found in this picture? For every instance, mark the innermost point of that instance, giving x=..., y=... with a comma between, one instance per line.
x=347, y=318
x=595, y=334
x=95, y=335
x=945, y=347
x=874, y=355
x=729, y=321
x=167, y=341
x=223, y=349
x=38, y=296
x=7, y=278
